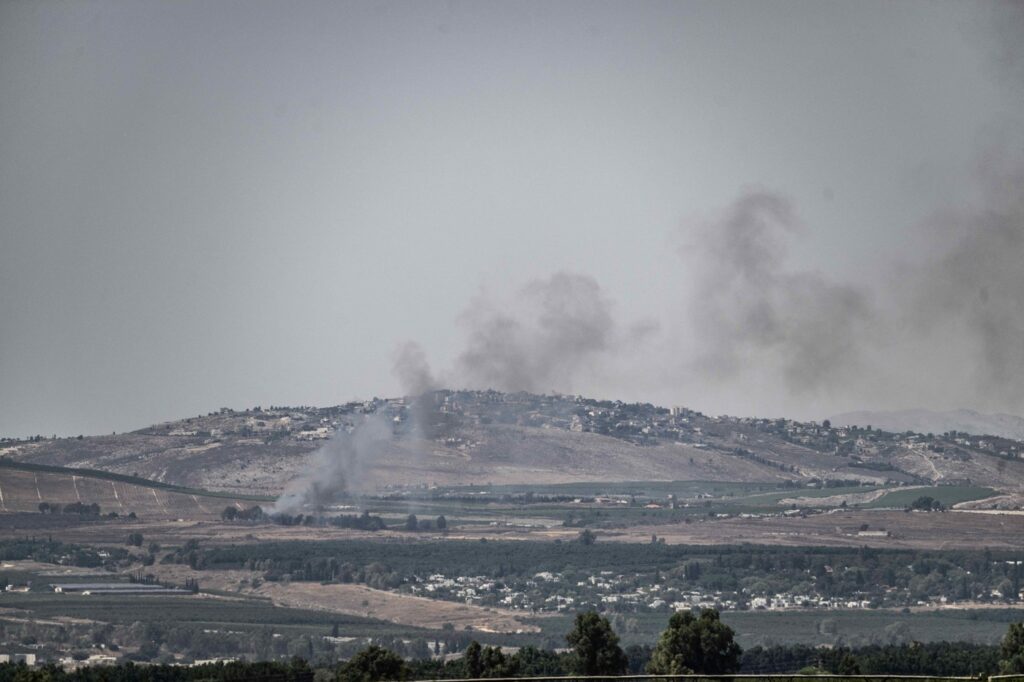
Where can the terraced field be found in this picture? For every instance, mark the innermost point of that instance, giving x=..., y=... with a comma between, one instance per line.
x=22, y=489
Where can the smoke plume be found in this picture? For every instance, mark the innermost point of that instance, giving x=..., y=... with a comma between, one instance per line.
x=944, y=329
x=749, y=309
x=542, y=340
x=411, y=368
x=971, y=297
x=335, y=471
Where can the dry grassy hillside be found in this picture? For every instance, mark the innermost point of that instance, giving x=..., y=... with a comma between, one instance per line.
x=469, y=438
x=504, y=454
x=23, y=491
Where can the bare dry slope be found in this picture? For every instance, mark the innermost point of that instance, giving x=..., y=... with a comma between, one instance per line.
x=357, y=600
x=501, y=454
x=488, y=437
x=23, y=491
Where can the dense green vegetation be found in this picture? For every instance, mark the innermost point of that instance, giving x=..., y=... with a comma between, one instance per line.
x=51, y=552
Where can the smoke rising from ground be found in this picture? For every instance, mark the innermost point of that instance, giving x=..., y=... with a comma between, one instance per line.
x=335, y=471
x=753, y=332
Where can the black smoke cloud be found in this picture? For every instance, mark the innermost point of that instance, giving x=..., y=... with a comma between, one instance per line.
x=971, y=297
x=412, y=369
x=943, y=330
x=749, y=309
x=555, y=329
x=553, y=334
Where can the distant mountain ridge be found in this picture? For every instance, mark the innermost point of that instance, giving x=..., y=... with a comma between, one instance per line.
x=930, y=421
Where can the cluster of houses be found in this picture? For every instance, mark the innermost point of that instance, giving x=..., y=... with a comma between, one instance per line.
x=549, y=592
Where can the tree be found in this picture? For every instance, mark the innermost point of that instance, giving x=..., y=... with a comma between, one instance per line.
x=494, y=662
x=587, y=537
x=472, y=661
x=701, y=644
x=441, y=523
x=848, y=665
x=371, y=664
x=926, y=503
x=135, y=539
x=1011, y=650
x=412, y=523
x=595, y=645
x=638, y=657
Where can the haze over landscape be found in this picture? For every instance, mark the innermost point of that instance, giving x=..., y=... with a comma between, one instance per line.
x=370, y=341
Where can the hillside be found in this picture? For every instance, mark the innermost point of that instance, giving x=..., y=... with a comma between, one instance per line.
x=24, y=487
x=928, y=421
x=477, y=437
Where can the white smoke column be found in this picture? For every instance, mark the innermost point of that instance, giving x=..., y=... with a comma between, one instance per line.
x=336, y=469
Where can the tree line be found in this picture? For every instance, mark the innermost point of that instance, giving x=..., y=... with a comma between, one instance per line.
x=692, y=643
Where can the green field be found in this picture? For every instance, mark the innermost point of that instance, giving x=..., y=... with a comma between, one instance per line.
x=646, y=489
x=488, y=503
x=726, y=498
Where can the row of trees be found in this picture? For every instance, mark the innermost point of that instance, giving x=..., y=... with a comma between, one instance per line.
x=79, y=508
x=414, y=524
x=70, y=508
x=691, y=643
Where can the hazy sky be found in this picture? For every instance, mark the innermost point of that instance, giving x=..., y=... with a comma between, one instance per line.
x=208, y=204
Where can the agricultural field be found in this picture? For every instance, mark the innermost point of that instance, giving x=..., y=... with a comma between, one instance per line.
x=197, y=611
x=24, y=487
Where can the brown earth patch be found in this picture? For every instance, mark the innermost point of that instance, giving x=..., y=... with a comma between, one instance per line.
x=357, y=600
